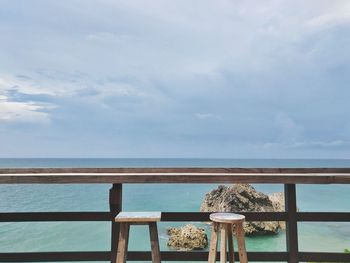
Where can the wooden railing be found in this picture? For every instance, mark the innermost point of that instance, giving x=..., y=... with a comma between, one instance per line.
x=119, y=176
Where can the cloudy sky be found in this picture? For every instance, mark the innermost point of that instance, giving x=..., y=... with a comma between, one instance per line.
x=235, y=79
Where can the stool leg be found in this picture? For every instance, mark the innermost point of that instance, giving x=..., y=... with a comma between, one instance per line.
x=223, y=243
x=213, y=243
x=123, y=242
x=241, y=243
x=231, y=255
x=153, y=231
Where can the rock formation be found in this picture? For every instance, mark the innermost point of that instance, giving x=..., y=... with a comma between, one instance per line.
x=244, y=198
x=188, y=237
x=277, y=200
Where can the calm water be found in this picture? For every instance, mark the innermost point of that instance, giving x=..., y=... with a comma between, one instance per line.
x=96, y=236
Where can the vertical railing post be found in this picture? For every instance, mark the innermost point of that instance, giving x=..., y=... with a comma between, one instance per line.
x=115, y=206
x=291, y=224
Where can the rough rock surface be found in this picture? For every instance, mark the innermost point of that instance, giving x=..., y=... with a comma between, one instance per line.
x=242, y=198
x=188, y=237
x=277, y=200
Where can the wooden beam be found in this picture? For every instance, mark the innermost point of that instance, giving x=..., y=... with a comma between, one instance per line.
x=166, y=256
x=170, y=216
x=177, y=170
x=187, y=178
x=323, y=216
x=132, y=256
x=322, y=257
x=115, y=206
x=291, y=224
x=55, y=216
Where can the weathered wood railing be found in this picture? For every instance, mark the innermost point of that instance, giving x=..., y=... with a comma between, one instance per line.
x=119, y=176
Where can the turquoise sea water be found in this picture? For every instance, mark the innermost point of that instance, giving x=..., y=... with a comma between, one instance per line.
x=77, y=236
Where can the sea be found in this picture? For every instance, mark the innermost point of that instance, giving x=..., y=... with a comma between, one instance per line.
x=95, y=236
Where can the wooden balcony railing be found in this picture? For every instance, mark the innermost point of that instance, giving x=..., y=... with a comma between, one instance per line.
x=119, y=176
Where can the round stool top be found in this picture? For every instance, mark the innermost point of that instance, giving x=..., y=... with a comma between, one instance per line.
x=138, y=217
x=226, y=218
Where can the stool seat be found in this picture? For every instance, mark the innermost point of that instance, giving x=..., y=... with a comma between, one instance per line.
x=138, y=217
x=227, y=218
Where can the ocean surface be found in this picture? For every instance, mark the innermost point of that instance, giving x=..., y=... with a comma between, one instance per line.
x=78, y=236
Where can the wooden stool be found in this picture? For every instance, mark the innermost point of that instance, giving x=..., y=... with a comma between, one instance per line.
x=224, y=221
x=137, y=218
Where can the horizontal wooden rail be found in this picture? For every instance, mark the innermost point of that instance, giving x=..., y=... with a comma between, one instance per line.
x=204, y=216
x=174, y=178
x=323, y=217
x=171, y=216
x=55, y=216
x=166, y=256
x=107, y=216
x=55, y=256
x=323, y=257
x=181, y=170
x=174, y=175
x=132, y=256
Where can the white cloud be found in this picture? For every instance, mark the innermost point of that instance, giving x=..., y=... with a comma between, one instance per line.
x=11, y=111
x=57, y=86
x=205, y=116
x=334, y=15
x=110, y=37
x=22, y=111
x=325, y=144
x=22, y=85
x=305, y=144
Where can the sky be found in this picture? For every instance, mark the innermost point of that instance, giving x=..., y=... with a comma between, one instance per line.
x=175, y=79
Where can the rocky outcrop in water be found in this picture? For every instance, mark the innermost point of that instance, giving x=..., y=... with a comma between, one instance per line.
x=244, y=198
x=277, y=200
x=188, y=237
